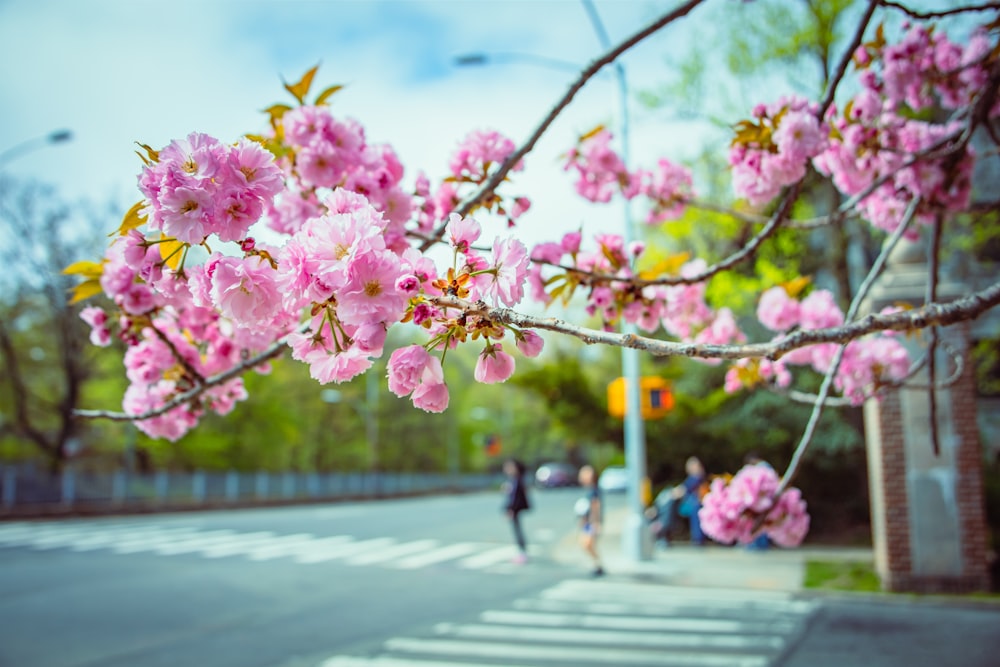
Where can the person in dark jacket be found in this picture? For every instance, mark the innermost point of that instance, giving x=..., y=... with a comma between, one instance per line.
x=515, y=502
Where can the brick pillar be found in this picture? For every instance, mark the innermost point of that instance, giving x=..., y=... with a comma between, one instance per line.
x=928, y=519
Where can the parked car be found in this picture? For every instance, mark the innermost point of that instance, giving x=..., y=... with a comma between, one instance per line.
x=551, y=475
x=614, y=479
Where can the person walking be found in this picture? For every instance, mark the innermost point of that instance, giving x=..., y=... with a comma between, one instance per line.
x=515, y=502
x=590, y=511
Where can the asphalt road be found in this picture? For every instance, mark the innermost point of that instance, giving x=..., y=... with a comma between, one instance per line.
x=423, y=582
x=268, y=587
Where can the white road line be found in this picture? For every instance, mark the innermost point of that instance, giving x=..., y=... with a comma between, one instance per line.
x=55, y=535
x=487, y=558
x=590, y=636
x=132, y=545
x=791, y=612
x=102, y=539
x=292, y=545
x=197, y=543
x=570, y=654
x=606, y=590
x=241, y=544
x=384, y=661
x=54, y=540
x=396, y=551
x=644, y=623
x=323, y=554
x=448, y=552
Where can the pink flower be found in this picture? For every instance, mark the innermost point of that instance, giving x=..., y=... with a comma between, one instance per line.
x=244, y=290
x=777, y=311
x=462, y=232
x=405, y=368
x=494, y=365
x=431, y=396
x=137, y=299
x=819, y=310
x=529, y=343
x=510, y=270
x=370, y=293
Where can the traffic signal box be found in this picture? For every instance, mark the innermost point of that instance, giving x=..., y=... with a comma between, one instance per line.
x=655, y=395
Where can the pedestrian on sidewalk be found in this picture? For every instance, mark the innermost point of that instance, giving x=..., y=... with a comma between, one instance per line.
x=683, y=500
x=589, y=510
x=515, y=502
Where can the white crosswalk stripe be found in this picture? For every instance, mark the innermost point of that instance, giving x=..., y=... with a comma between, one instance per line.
x=302, y=548
x=608, y=622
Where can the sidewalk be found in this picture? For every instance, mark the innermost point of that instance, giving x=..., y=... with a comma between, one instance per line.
x=709, y=566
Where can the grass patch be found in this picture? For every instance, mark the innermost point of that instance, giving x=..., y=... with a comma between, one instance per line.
x=841, y=576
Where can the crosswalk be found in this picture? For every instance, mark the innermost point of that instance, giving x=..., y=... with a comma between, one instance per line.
x=302, y=548
x=604, y=622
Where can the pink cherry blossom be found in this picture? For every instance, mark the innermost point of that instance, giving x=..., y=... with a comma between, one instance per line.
x=529, y=343
x=405, y=368
x=777, y=311
x=494, y=365
x=508, y=273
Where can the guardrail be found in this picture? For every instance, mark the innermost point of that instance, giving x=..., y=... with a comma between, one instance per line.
x=27, y=490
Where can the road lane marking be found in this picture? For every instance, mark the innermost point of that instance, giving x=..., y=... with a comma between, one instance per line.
x=291, y=545
x=644, y=623
x=570, y=654
x=321, y=555
x=490, y=557
x=197, y=543
x=383, y=555
x=449, y=552
x=582, y=637
x=240, y=544
x=792, y=611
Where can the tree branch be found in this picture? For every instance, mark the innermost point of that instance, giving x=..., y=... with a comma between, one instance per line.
x=496, y=178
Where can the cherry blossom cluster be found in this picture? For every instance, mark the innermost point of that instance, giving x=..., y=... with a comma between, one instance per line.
x=601, y=172
x=867, y=363
x=197, y=295
x=744, y=507
x=343, y=276
x=199, y=186
x=773, y=150
x=876, y=134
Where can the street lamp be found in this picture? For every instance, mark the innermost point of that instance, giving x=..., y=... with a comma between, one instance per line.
x=29, y=145
x=636, y=542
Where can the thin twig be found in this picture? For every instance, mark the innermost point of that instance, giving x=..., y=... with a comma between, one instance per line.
x=852, y=310
x=845, y=59
x=912, y=13
x=933, y=263
x=498, y=176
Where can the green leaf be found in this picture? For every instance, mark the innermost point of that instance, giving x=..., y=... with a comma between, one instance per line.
x=150, y=157
x=592, y=133
x=85, y=290
x=326, y=94
x=276, y=112
x=300, y=89
x=84, y=268
x=171, y=250
x=132, y=220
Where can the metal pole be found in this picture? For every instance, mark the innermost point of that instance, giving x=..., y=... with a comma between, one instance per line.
x=636, y=542
x=59, y=136
x=371, y=424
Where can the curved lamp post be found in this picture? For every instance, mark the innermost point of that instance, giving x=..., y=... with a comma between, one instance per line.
x=29, y=145
x=636, y=542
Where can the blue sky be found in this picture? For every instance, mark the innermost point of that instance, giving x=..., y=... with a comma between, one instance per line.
x=119, y=71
